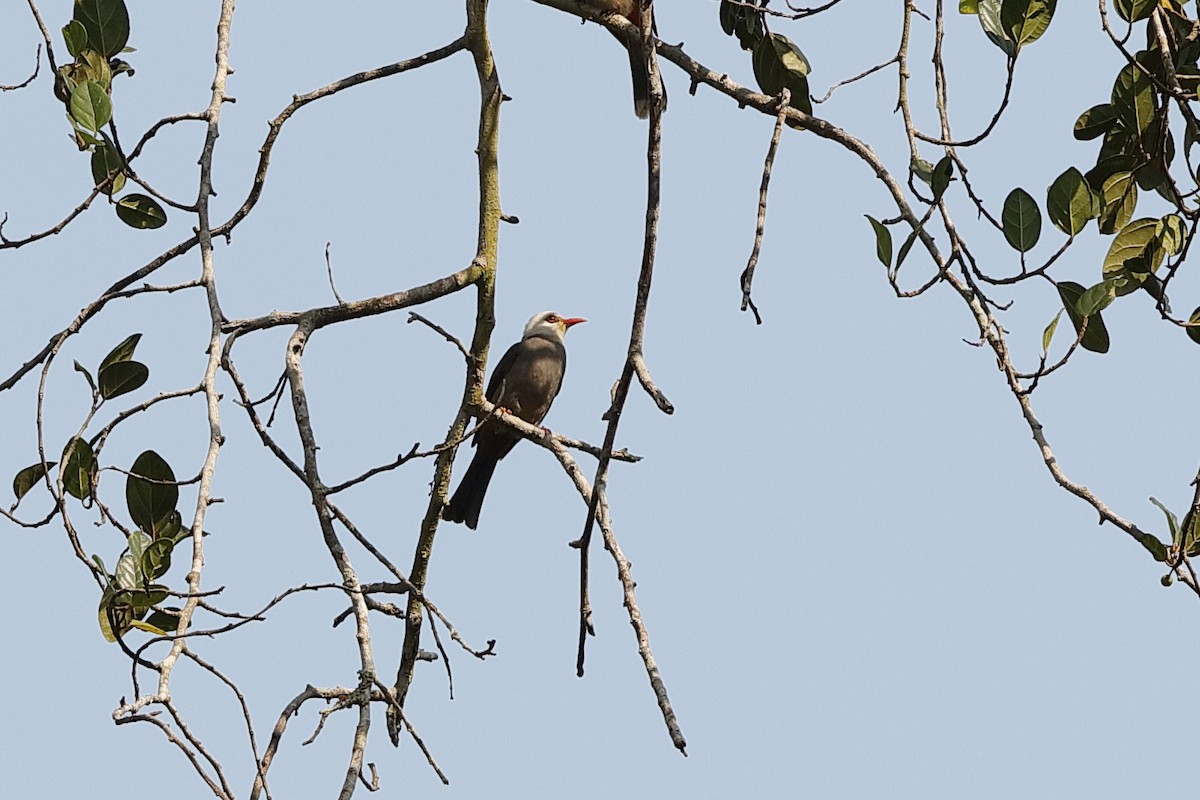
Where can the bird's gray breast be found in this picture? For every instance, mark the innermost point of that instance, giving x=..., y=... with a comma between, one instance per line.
x=534, y=379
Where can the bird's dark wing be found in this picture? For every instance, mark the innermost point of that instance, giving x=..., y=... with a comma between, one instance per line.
x=495, y=387
x=534, y=378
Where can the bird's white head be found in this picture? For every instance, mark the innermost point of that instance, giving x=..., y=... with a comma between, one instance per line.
x=550, y=324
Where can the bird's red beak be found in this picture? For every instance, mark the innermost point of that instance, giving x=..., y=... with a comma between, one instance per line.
x=569, y=321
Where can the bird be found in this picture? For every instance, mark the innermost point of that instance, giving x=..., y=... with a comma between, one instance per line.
x=524, y=382
x=631, y=10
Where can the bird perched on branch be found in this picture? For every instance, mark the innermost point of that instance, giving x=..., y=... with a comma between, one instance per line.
x=632, y=11
x=525, y=383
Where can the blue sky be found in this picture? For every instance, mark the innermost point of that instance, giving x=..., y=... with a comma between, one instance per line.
x=858, y=577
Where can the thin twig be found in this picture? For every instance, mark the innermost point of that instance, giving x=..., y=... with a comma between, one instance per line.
x=437, y=640
x=241, y=698
x=188, y=752
x=864, y=74
x=399, y=711
x=747, y=279
x=449, y=337
x=37, y=65
x=329, y=272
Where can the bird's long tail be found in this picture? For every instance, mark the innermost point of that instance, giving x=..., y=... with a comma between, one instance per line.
x=641, y=84
x=467, y=501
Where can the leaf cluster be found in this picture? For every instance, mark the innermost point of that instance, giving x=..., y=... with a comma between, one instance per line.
x=96, y=35
x=151, y=497
x=130, y=594
x=1011, y=24
x=777, y=61
x=1136, y=155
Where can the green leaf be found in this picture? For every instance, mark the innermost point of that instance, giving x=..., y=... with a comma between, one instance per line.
x=1152, y=177
x=81, y=369
x=106, y=162
x=1022, y=221
x=939, y=181
x=1105, y=168
x=83, y=140
x=1070, y=202
x=1135, y=252
x=1135, y=240
x=1172, y=233
x=1191, y=533
x=142, y=598
x=123, y=351
x=1134, y=10
x=968, y=6
x=122, y=377
x=120, y=597
x=790, y=55
x=1097, y=298
x=1119, y=199
x=1133, y=98
x=778, y=64
x=151, y=495
x=75, y=35
x=1095, y=337
x=1120, y=141
x=1154, y=287
x=183, y=534
x=1172, y=523
x=923, y=170
x=768, y=72
x=1193, y=329
x=115, y=619
x=989, y=17
x=749, y=28
x=1132, y=275
x=140, y=211
x=1048, y=333
x=166, y=620
x=90, y=106
x=1156, y=548
x=744, y=23
x=128, y=573
x=156, y=559
x=27, y=478
x=106, y=22
x=175, y=531
x=1026, y=20
x=64, y=83
x=728, y=15
x=138, y=542
x=1095, y=122
x=92, y=66
x=906, y=246
x=78, y=468
x=883, y=241
x=1155, y=151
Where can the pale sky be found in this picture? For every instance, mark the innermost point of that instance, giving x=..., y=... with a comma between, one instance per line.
x=859, y=579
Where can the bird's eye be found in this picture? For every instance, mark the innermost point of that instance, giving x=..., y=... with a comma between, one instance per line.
x=552, y=318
